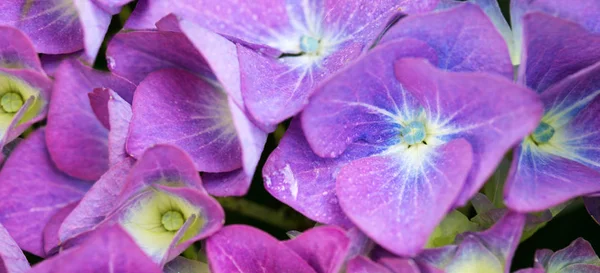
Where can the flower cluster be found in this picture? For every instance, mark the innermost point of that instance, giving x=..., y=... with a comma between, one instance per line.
x=422, y=136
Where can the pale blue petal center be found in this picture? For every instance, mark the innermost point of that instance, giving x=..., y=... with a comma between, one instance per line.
x=309, y=44
x=414, y=132
x=543, y=133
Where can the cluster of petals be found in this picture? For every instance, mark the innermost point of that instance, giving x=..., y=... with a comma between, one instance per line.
x=399, y=112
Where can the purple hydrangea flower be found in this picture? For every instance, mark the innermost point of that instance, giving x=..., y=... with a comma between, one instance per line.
x=188, y=99
x=12, y=259
x=426, y=143
x=436, y=142
x=26, y=212
x=159, y=201
x=24, y=87
x=110, y=249
x=579, y=256
x=558, y=161
x=243, y=248
x=62, y=26
x=302, y=179
x=490, y=251
x=284, y=50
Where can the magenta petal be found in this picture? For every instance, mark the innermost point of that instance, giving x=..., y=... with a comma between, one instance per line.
x=136, y=54
x=51, y=62
x=52, y=25
x=160, y=164
x=244, y=249
x=233, y=183
x=400, y=265
x=51, y=238
x=492, y=113
x=503, y=238
x=162, y=172
x=437, y=257
x=77, y=141
x=169, y=23
x=111, y=6
x=108, y=250
x=99, y=102
x=252, y=139
x=94, y=22
x=554, y=49
x=174, y=106
x=283, y=87
x=26, y=212
x=540, y=180
x=16, y=50
x=362, y=264
x=12, y=259
x=540, y=177
x=324, y=248
x=582, y=133
x=386, y=196
x=360, y=243
x=221, y=54
x=147, y=13
x=583, y=12
x=306, y=182
x=115, y=114
x=459, y=48
x=358, y=104
x=120, y=113
x=251, y=23
x=493, y=11
x=248, y=21
x=97, y=203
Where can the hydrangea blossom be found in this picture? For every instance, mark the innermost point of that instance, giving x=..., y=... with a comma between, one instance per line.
x=62, y=26
x=285, y=48
x=305, y=181
x=426, y=141
x=185, y=100
x=159, y=201
x=108, y=250
x=24, y=87
x=579, y=256
x=558, y=160
x=378, y=192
